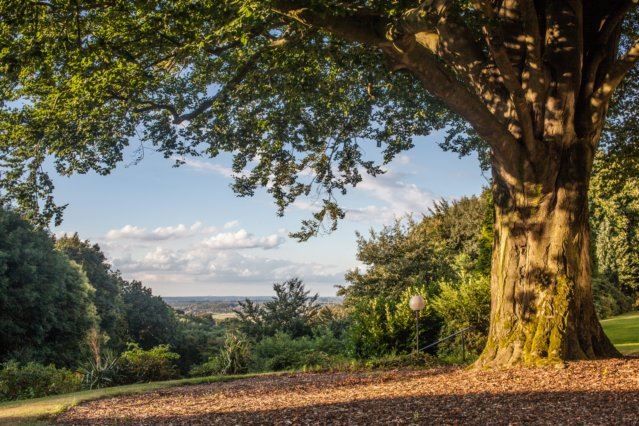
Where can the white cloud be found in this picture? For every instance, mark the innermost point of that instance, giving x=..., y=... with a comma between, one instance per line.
x=131, y=232
x=393, y=197
x=126, y=232
x=231, y=224
x=242, y=239
x=194, y=264
x=400, y=197
x=206, y=166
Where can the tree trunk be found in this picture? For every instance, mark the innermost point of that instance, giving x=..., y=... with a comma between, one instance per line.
x=542, y=305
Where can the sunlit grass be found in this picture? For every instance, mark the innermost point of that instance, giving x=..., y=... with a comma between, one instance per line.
x=623, y=331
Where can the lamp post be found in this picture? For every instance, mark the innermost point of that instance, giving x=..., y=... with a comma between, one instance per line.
x=416, y=303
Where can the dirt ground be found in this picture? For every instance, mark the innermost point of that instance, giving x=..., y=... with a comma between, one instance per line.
x=592, y=392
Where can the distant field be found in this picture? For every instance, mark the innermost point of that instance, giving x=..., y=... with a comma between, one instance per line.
x=223, y=315
x=623, y=330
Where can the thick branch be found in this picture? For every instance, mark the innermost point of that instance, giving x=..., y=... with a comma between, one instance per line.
x=361, y=26
x=438, y=28
x=534, y=78
x=619, y=70
x=606, y=37
x=440, y=82
x=495, y=41
x=600, y=99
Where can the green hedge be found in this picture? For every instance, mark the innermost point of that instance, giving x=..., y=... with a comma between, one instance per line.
x=34, y=380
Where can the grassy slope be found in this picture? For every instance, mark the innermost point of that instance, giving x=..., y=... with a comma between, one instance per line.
x=32, y=410
x=623, y=330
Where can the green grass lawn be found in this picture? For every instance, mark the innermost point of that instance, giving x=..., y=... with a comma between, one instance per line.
x=623, y=330
x=35, y=411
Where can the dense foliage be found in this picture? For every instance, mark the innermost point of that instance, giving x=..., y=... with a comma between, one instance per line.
x=615, y=225
x=150, y=321
x=384, y=325
x=61, y=303
x=464, y=304
x=33, y=380
x=445, y=257
x=411, y=251
x=46, y=302
x=107, y=285
x=139, y=365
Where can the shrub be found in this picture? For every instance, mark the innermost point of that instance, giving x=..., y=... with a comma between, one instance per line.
x=34, y=380
x=412, y=360
x=384, y=325
x=139, y=365
x=233, y=358
x=101, y=372
x=609, y=299
x=281, y=352
x=461, y=305
x=210, y=368
x=235, y=355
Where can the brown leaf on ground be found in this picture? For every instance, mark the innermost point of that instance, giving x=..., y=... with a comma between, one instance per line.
x=586, y=392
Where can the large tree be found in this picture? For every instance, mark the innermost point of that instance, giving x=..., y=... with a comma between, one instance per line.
x=107, y=284
x=46, y=301
x=298, y=91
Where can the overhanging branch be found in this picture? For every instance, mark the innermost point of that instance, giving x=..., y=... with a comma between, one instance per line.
x=178, y=118
x=361, y=26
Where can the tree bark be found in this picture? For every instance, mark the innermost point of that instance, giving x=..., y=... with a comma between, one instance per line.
x=542, y=309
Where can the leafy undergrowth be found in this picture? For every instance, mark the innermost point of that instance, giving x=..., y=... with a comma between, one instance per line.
x=32, y=411
x=587, y=392
x=623, y=331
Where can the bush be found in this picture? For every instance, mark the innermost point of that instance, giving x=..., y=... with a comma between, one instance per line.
x=211, y=367
x=609, y=299
x=34, y=380
x=232, y=359
x=384, y=325
x=101, y=372
x=461, y=305
x=139, y=365
x=281, y=352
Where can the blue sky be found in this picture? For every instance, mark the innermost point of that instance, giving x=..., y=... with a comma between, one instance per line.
x=183, y=232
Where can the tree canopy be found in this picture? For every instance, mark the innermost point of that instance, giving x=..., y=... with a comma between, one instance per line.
x=298, y=91
x=290, y=311
x=46, y=302
x=107, y=284
x=455, y=237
